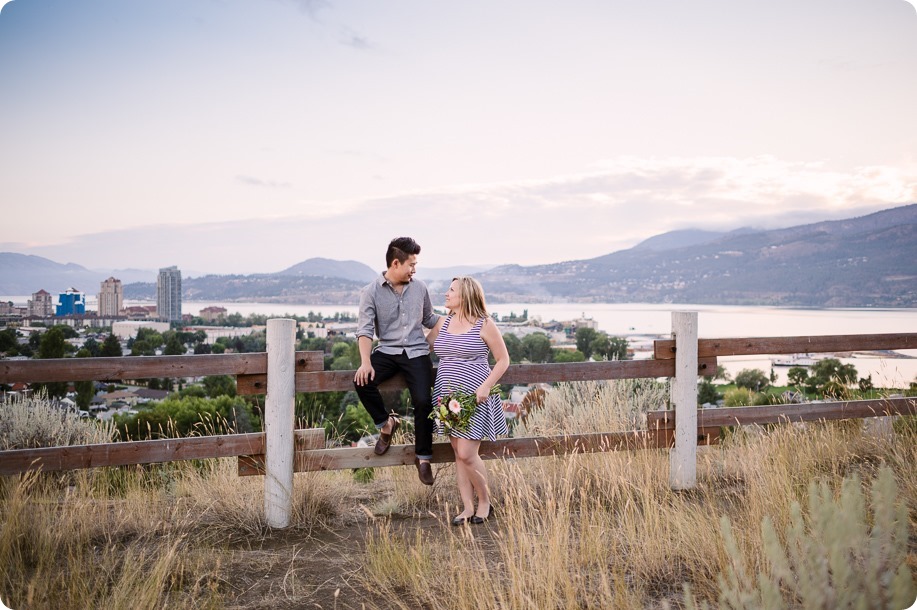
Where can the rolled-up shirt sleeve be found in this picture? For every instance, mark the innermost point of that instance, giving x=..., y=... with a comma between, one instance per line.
x=366, y=321
x=429, y=318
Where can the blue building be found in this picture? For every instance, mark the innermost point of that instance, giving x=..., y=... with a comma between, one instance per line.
x=71, y=302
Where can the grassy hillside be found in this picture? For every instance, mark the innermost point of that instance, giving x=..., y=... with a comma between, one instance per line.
x=581, y=531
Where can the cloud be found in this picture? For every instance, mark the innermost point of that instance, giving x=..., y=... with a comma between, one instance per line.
x=615, y=205
x=311, y=7
x=352, y=39
x=263, y=183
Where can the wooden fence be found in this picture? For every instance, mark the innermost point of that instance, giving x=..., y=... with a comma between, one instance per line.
x=280, y=372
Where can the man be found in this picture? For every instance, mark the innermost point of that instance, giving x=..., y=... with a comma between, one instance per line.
x=394, y=307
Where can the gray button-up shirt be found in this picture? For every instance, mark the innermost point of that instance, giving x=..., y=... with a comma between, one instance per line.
x=396, y=318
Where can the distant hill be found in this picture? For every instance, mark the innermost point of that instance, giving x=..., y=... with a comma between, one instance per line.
x=22, y=274
x=326, y=267
x=859, y=262
x=685, y=238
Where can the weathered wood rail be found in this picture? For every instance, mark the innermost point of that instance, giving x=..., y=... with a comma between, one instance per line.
x=683, y=359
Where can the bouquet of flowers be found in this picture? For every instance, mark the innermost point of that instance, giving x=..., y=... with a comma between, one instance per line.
x=454, y=410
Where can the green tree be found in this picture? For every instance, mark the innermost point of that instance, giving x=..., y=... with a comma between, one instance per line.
x=753, y=379
x=85, y=390
x=566, y=355
x=616, y=350
x=34, y=339
x=706, y=393
x=584, y=338
x=537, y=347
x=68, y=331
x=831, y=371
x=183, y=415
x=93, y=347
x=514, y=347
x=345, y=356
x=53, y=345
x=111, y=347
x=174, y=346
x=797, y=376
x=150, y=336
x=142, y=348
x=9, y=342
x=218, y=348
x=219, y=385
x=353, y=424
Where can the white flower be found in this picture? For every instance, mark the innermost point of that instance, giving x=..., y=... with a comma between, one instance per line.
x=455, y=406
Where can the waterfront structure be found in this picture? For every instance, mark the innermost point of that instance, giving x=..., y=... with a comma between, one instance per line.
x=41, y=304
x=111, y=298
x=213, y=314
x=168, y=294
x=70, y=303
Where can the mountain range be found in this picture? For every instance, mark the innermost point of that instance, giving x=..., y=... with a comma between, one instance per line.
x=857, y=262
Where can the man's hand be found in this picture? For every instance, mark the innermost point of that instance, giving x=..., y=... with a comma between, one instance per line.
x=365, y=373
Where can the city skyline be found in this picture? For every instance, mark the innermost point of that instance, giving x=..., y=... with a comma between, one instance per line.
x=246, y=137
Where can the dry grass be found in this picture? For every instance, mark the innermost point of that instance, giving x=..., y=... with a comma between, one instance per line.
x=605, y=530
x=581, y=531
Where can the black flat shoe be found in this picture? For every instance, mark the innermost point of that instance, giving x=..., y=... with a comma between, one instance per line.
x=460, y=520
x=479, y=520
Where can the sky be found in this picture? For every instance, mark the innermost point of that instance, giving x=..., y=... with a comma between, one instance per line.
x=244, y=136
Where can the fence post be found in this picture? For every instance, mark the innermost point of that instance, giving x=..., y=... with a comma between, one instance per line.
x=683, y=458
x=278, y=421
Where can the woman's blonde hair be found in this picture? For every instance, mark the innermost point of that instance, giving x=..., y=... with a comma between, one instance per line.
x=471, y=296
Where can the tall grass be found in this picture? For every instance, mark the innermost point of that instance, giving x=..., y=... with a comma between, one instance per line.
x=134, y=537
x=605, y=530
x=578, y=531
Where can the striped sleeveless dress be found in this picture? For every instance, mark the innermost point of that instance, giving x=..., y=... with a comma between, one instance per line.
x=463, y=366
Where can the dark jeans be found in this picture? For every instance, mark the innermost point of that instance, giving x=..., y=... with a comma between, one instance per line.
x=418, y=373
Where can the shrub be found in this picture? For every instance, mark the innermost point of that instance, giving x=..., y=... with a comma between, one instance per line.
x=739, y=397
x=832, y=558
x=35, y=421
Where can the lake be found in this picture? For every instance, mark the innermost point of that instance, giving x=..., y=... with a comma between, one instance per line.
x=640, y=323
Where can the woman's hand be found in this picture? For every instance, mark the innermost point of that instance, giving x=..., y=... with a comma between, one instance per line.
x=482, y=392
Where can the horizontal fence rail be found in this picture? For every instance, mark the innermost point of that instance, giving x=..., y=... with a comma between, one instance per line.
x=146, y=367
x=779, y=414
x=711, y=348
x=75, y=457
x=310, y=452
x=403, y=455
x=340, y=381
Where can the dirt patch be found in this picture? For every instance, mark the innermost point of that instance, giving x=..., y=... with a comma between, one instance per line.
x=319, y=568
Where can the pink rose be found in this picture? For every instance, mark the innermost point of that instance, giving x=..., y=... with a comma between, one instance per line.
x=455, y=406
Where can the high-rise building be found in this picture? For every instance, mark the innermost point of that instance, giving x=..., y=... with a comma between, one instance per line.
x=69, y=303
x=111, y=298
x=41, y=304
x=168, y=294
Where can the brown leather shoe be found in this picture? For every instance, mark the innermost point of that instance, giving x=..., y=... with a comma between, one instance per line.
x=385, y=440
x=424, y=472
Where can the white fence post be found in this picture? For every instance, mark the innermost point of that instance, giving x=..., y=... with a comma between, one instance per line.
x=683, y=458
x=278, y=421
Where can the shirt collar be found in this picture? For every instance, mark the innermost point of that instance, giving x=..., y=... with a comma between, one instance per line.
x=381, y=281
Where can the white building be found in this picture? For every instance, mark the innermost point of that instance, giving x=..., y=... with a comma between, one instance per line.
x=128, y=329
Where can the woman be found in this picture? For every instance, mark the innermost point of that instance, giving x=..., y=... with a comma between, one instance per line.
x=462, y=340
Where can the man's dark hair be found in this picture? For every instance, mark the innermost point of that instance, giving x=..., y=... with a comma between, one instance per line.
x=401, y=248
